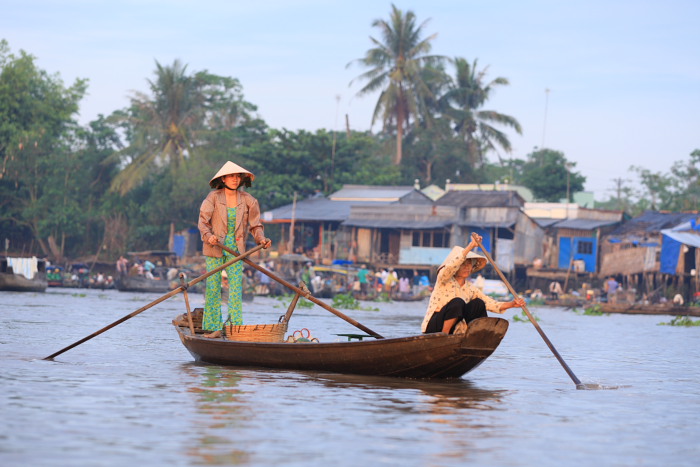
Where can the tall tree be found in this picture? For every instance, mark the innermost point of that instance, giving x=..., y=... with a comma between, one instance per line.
x=395, y=69
x=37, y=118
x=178, y=117
x=463, y=104
x=549, y=175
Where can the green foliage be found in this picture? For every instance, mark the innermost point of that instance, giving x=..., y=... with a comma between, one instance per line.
x=523, y=318
x=160, y=152
x=546, y=174
x=37, y=140
x=382, y=297
x=595, y=310
x=681, y=321
x=348, y=302
x=286, y=299
x=397, y=67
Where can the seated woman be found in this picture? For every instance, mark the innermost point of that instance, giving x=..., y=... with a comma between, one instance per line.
x=454, y=301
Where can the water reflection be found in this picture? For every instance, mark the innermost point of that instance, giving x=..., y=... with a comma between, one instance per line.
x=454, y=416
x=219, y=409
x=441, y=395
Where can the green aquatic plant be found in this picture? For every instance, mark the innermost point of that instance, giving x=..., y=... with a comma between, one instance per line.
x=681, y=321
x=536, y=302
x=382, y=298
x=286, y=299
x=78, y=295
x=522, y=317
x=595, y=310
x=348, y=302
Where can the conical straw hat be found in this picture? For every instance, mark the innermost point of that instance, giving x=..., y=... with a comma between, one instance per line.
x=457, y=251
x=230, y=168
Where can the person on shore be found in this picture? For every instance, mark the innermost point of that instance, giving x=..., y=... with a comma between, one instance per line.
x=122, y=266
x=610, y=287
x=362, y=278
x=454, y=301
x=226, y=216
x=555, y=290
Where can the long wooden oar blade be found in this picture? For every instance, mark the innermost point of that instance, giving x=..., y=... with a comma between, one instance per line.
x=532, y=319
x=155, y=302
x=307, y=295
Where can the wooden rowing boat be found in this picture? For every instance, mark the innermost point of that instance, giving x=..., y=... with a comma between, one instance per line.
x=424, y=356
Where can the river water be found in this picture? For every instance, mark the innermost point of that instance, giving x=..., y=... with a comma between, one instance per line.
x=134, y=396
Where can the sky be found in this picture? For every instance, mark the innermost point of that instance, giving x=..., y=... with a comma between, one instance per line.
x=609, y=83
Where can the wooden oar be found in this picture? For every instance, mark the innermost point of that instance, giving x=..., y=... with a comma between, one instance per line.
x=306, y=295
x=157, y=301
x=571, y=374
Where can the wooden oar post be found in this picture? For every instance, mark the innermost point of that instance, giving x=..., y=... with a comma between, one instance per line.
x=184, y=285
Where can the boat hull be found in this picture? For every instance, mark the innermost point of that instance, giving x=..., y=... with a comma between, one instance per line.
x=19, y=283
x=424, y=356
x=142, y=284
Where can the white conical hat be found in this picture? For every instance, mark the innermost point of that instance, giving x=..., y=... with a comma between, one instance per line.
x=457, y=251
x=231, y=168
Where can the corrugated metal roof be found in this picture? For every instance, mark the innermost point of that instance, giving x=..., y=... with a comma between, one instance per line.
x=371, y=193
x=505, y=224
x=480, y=199
x=545, y=221
x=317, y=208
x=583, y=224
x=652, y=222
x=397, y=223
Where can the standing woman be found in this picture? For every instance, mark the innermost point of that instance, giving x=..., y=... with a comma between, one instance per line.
x=226, y=216
x=454, y=301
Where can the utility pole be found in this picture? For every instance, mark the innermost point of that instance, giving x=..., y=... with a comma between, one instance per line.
x=618, y=190
x=546, y=104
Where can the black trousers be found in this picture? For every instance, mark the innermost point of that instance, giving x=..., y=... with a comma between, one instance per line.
x=456, y=308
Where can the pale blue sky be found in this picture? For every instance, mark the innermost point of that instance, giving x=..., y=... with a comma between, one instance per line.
x=624, y=75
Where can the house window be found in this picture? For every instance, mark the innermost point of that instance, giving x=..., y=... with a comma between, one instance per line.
x=585, y=248
x=416, y=239
x=431, y=239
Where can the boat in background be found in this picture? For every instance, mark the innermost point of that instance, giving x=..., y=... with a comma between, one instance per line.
x=23, y=274
x=165, y=274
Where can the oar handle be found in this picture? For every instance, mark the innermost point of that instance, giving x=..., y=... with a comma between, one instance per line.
x=527, y=312
x=157, y=301
x=306, y=295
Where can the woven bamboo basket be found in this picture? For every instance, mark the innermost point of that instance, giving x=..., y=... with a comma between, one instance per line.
x=255, y=332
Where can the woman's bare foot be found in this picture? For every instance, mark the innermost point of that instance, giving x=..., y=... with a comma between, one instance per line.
x=213, y=335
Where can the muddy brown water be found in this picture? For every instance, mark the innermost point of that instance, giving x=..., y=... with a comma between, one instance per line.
x=133, y=395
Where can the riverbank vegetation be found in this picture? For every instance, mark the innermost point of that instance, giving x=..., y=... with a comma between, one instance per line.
x=124, y=180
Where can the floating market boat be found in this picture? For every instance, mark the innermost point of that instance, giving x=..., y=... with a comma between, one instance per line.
x=436, y=355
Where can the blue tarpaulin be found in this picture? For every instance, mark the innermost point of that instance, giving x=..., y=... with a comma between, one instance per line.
x=670, y=251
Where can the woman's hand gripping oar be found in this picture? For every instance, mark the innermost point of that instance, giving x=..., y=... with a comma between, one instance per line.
x=579, y=384
x=157, y=301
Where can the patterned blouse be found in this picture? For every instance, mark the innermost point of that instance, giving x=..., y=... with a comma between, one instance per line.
x=447, y=288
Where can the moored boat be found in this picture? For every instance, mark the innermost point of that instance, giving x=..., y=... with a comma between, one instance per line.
x=23, y=274
x=649, y=309
x=436, y=355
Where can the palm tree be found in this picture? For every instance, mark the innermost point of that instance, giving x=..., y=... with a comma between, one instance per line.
x=161, y=127
x=396, y=63
x=463, y=103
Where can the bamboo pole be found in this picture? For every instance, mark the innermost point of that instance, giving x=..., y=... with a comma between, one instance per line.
x=157, y=301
